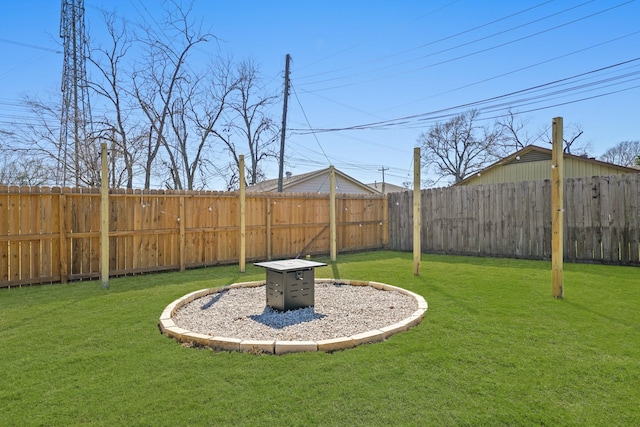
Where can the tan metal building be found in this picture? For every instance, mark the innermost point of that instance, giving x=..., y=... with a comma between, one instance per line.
x=533, y=163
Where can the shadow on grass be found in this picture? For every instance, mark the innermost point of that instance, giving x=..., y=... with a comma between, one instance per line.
x=210, y=276
x=335, y=271
x=611, y=319
x=433, y=287
x=483, y=261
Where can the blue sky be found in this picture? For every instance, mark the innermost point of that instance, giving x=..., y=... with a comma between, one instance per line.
x=355, y=63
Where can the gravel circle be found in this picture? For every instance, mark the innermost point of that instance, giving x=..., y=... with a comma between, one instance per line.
x=340, y=310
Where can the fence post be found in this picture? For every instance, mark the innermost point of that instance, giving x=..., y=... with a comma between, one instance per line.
x=557, y=209
x=385, y=222
x=242, y=217
x=417, y=202
x=104, y=218
x=182, y=237
x=332, y=212
x=62, y=219
x=268, y=228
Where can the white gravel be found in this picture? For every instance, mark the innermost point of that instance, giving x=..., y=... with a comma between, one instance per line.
x=340, y=310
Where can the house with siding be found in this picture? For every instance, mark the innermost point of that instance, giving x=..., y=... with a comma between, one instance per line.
x=387, y=188
x=314, y=182
x=533, y=163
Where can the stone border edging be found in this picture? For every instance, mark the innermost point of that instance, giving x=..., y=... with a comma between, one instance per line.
x=169, y=328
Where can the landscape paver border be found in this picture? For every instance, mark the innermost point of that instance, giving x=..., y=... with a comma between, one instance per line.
x=169, y=328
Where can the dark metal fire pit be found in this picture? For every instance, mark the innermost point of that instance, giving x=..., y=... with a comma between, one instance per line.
x=290, y=283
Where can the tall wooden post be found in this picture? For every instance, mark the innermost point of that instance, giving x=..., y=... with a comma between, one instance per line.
x=182, y=239
x=64, y=254
x=242, y=217
x=104, y=218
x=417, y=204
x=557, y=208
x=269, y=228
x=332, y=213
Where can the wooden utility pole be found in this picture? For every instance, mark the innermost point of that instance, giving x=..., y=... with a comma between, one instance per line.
x=242, y=217
x=557, y=208
x=384, y=190
x=332, y=213
x=104, y=218
x=284, y=122
x=417, y=204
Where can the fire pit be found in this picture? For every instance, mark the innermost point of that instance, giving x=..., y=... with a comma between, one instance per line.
x=290, y=283
x=230, y=318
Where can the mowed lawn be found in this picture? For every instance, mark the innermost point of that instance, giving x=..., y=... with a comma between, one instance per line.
x=494, y=348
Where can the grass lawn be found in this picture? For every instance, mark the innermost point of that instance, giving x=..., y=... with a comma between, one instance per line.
x=494, y=348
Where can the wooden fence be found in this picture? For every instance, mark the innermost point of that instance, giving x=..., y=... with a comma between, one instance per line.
x=601, y=220
x=53, y=234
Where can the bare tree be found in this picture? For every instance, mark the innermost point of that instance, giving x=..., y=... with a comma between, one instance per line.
x=39, y=140
x=514, y=132
x=459, y=148
x=163, y=120
x=23, y=170
x=156, y=85
x=571, y=134
x=257, y=131
x=516, y=136
x=118, y=126
x=204, y=109
x=625, y=153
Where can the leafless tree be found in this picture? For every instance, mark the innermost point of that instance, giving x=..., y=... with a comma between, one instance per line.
x=257, y=132
x=516, y=136
x=156, y=85
x=118, y=126
x=514, y=132
x=38, y=140
x=459, y=148
x=204, y=109
x=571, y=134
x=572, y=144
x=23, y=170
x=163, y=119
x=625, y=153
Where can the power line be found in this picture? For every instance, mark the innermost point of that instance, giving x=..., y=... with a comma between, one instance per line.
x=562, y=56
x=361, y=81
x=30, y=46
x=309, y=124
x=440, y=40
x=436, y=114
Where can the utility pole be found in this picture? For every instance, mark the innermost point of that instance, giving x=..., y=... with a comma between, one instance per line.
x=383, y=186
x=284, y=121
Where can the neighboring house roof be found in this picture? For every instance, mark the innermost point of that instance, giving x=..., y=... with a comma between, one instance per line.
x=533, y=163
x=388, y=188
x=314, y=182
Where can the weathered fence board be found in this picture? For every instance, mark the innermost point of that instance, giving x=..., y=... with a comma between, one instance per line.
x=602, y=222
x=53, y=234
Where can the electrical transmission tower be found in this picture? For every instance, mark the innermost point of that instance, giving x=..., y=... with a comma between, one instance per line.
x=76, y=151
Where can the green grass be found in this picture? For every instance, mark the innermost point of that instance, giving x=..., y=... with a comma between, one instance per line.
x=494, y=348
